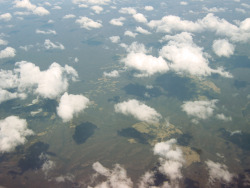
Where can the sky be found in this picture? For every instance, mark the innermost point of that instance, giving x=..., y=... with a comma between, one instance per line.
x=83, y=83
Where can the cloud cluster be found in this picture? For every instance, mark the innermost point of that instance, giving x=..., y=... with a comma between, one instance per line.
x=5, y=17
x=186, y=57
x=40, y=11
x=88, y=23
x=71, y=105
x=222, y=47
x=8, y=52
x=27, y=77
x=13, y=132
x=170, y=23
x=115, y=178
x=138, y=110
x=50, y=45
x=218, y=172
x=199, y=109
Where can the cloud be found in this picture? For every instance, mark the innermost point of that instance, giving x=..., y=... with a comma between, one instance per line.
x=27, y=77
x=48, y=164
x=88, y=23
x=186, y=57
x=112, y=74
x=93, y=2
x=218, y=172
x=13, y=132
x=71, y=105
x=6, y=95
x=8, y=52
x=46, y=32
x=50, y=45
x=183, y=3
x=214, y=9
x=5, y=17
x=64, y=178
x=97, y=9
x=115, y=39
x=40, y=11
x=199, y=109
x=138, y=110
x=127, y=10
x=117, y=21
x=148, y=8
x=223, y=117
x=68, y=16
x=3, y=42
x=115, y=178
x=140, y=18
x=222, y=47
x=130, y=34
x=142, y=31
x=137, y=48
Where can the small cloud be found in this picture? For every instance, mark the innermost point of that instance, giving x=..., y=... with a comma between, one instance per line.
x=183, y=3
x=142, y=31
x=222, y=47
x=140, y=18
x=148, y=8
x=112, y=74
x=71, y=105
x=64, y=178
x=88, y=23
x=5, y=17
x=46, y=32
x=50, y=45
x=218, y=172
x=223, y=117
x=138, y=110
x=117, y=21
x=127, y=10
x=8, y=52
x=57, y=7
x=130, y=34
x=97, y=9
x=115, y=39
x=68, y=16
x=13, y=132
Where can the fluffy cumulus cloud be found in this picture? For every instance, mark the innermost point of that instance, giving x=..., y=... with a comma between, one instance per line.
x=112, y=74
x=142, y=31
x=223, y=117
x=210, y=22
x=92, y=2
x=68, y=16
x=115, y=178
x=27, y=77
x=199, y=109
x=115, y=39
x=71, y=105
x=117, y=21
x=186, y=57
x=138, y=110
x=13, y=132
x=88, y=23
x=40, y=11
x=127, y=10
x=8, y=52
x=130, y=34
x=222, y=47
x=140, y=18
x=5, y=17
x=97, y=9
x=50, y=45
x=218, y=172
x=149, y=8
x=48, y=32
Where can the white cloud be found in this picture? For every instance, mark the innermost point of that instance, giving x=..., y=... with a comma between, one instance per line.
x=137, y=48
x=93, y=2
x=64, y=178
x=130, y=34
x=40, y=11
x=183, y=3
x=68, y=16
x=27, y=77
x=214, y=9
x=149, y=8
x=112, y=74
x=3, y=42
x=97, y=9
x=222, y=47
x=115, y=178
x=57, y=7
x=71, y=105
x=13, y=131
x=138, y=110
x=26, y=47
x=142, y=31
x=199, y=109
x=140, y=18
x=127, y=10
x=6, y=95
x=117, y=21
x=5, y=17
x=50, y=45
x=8, y=52
x=186, y=57
x=115, y=39
x=88, y=23
x=218, y=172
x=240, y=10
x=223, y=117
x=48, y=164
x=46, y=32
